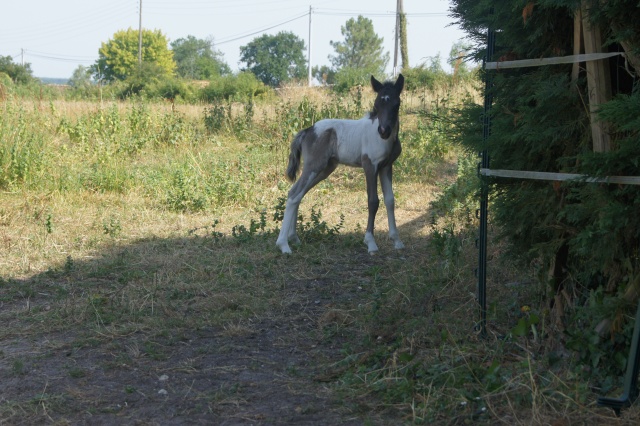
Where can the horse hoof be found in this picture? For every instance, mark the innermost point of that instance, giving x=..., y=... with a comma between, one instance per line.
x=373, y=252
x=398, y=245
x=284, y=247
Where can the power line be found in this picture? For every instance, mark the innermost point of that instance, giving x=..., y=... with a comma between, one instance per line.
x=232, y=38
x=79, y=21
x=337, y=12
x=59, y=58
x=239, y=37
x=207, y=5
x=116, y=11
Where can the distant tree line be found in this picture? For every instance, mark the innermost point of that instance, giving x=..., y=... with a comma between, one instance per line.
x=170, y=70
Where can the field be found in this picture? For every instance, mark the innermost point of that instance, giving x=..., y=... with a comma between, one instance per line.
x=140, y=282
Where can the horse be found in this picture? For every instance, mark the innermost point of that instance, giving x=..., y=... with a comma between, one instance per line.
x=371, y=143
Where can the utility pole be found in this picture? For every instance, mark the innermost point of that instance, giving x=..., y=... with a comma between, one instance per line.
x=140, y=36
x=395, y=50
x=22, y=57
x=309, y=55
x=401, y=38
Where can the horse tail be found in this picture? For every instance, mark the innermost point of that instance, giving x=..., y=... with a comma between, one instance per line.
x=294, y=155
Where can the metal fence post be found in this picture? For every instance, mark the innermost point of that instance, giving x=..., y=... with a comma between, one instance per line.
x=484, y=192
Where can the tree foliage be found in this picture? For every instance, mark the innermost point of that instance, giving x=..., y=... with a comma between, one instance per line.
x=427, y=75
x=585, y=237
x=19, y=74
x=197, y=60
x=275, y=59
x=81, y=78
x=118, y=57
x=240, y=87
x=361, y=48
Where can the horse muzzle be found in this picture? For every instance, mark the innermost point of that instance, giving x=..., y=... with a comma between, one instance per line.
x=384, y=132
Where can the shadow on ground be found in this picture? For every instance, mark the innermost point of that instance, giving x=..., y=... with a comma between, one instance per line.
x=194, y=330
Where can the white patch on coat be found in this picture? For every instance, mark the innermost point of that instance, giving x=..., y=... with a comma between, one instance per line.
x=357, y=138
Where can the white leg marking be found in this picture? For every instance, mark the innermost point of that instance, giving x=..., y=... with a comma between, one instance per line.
x=389, y=202
x=288, y=230
x=372, y=247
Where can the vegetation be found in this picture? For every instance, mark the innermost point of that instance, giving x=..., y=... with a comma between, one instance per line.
x=118, y=57
x=580, y=239
x=197, y=60
x=361, y=48
x=275, y=59
x=139, y=246
x=19, y=74
x=360, y=55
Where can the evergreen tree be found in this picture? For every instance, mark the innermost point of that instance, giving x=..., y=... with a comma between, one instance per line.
x=361, y=49
x=584, y=236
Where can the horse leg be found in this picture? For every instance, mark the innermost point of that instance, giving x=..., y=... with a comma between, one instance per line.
x=307, y=181
x=373, y=201
x=297, y=191
x=386, y=175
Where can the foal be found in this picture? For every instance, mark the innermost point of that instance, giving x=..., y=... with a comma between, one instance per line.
x=371, y=143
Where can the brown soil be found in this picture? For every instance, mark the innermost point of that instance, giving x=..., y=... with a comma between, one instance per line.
x=272, y=368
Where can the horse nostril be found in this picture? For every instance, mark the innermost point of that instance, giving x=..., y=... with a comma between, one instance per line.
x=383, y=132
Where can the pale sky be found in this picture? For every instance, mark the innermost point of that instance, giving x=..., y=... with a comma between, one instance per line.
x=56, y=36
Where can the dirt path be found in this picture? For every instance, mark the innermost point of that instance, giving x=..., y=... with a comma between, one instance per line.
x=266, y=370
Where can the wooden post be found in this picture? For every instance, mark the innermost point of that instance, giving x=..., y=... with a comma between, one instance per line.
x=577, y=44
x=598, y=83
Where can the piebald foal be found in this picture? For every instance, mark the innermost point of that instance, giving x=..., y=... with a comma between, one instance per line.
x=371, y=143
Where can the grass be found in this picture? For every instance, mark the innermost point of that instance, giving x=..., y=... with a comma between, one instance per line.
x=139, y=256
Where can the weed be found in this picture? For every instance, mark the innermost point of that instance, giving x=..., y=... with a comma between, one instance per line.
x=256, y=227
x=112, y=227
x=18, y=368
x=77, y=372
x=216, y=117
x=48, y=224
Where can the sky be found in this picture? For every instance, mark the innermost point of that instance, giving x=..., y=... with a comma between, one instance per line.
x=57, y=36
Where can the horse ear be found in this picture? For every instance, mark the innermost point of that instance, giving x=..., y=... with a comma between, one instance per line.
x=399, y=83
x=375, y=84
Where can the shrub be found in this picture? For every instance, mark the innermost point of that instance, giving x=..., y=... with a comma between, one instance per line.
x=346, y=78
x=240, y=87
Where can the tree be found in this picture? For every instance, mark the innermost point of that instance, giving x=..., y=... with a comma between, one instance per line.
x=457, y=56
x=118, y=57
x=196, y=59
x=275, y=59
x=20, y=74
x=361, y=49
x=324, y=74
x=81, y=78
x=583, y=237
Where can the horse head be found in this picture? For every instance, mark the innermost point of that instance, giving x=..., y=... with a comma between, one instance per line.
x=387, y=105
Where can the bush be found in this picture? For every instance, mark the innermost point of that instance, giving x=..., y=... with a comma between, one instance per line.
x=346, y=78
x=240, y=87
x=424, y=76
